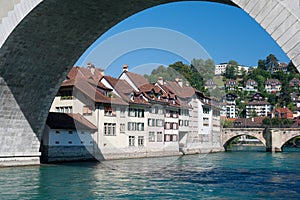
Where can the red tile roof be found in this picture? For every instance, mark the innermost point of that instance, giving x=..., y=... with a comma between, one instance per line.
x=137, y=79
x=96, y=95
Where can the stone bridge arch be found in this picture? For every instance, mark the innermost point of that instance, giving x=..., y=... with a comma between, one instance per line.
x=228, y=134
x=281, y=136
x=41, y=39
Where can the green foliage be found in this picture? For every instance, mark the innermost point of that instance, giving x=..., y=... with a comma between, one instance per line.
x=231, y=70
x=194, y=73
x=276, y=122
x=226, y=123
x=266, y=121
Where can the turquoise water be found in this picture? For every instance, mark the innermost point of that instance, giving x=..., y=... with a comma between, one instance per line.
x=227, y=175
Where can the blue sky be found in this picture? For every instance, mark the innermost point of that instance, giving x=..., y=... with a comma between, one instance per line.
x=179, y=32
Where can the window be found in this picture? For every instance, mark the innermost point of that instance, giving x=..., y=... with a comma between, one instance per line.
x=87, y=110
x=122, y=128
x=167, y=114
x=167, y=125
x=133, y=126
x=151, y=122
x=140, y=113
x=64, y=109
x=109, y=111
x=206, y=110
x=70, y=132
x=57, y=132
x=160, y=111
x=186, y=122
x=174, y=126
x=109, y=129
x=131, y=112
x=140, y=140
x=69, y=142
x=170, y=138
x=151, y=136
x=131, y=140
x=66, y=95
x=160, y=122
x=205, y=121
x=56, y=142
x=140, y=126
x=134, y=112
x=180, y=122
x=122, y=112
x=159, y=137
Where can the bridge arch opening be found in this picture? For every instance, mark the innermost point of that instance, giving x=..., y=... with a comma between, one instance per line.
x=244, y=142
x=292, y=143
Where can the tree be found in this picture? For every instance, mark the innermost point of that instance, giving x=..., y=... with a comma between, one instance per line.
x=227, y=123
x=266, y=121
x=271, y=62
x=261, y=64
x=205, y=68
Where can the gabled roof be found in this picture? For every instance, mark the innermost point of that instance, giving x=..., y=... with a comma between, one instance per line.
x=180, y=91
x=295, y=82
x=93, y=93
x=120, y=85
x=137, y=79
x=210, y=83
x=91, y=75
x=69, y=121
x=272, y=82
x=283, y=110
x=230, y=82
x=251, y=82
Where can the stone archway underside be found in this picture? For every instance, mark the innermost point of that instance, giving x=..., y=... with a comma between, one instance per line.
x=41, y=49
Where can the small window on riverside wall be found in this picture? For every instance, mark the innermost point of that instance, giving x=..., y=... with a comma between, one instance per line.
x=151, y=136
x=70, y=142
x=57, y=132
x=131, y=140
x=159, y=137
x=70, y=132
x=140, y=140
x=56, y=142
x=122, y=128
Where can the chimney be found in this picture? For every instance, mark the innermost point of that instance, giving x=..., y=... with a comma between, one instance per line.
x=179, y=81
x=160, y=80
x=91, y=66
x=125, y=68
x=101, y=72
x=187, y=84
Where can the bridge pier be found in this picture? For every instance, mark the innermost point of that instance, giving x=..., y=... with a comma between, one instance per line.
x=19, y=145
x=273, y=140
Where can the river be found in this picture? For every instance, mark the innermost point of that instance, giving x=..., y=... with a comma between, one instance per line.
x=250, y=174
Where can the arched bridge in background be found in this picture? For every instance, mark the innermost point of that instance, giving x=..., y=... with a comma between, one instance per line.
x=272, y=138
x=40, y=40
